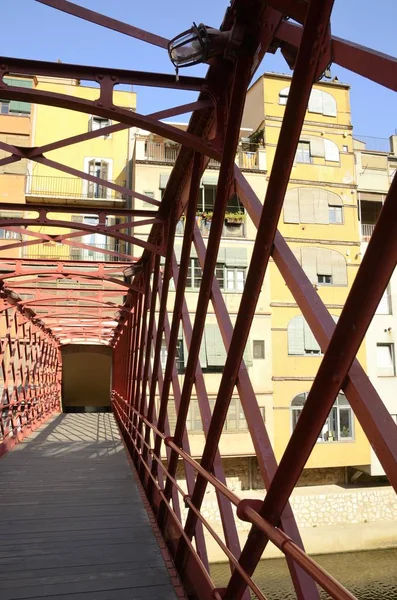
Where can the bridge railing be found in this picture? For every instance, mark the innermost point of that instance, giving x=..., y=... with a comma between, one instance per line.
x=29, y=376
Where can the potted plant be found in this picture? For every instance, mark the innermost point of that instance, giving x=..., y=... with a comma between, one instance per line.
x=235, y=218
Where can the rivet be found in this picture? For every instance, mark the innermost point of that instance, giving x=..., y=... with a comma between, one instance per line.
x=100, y=76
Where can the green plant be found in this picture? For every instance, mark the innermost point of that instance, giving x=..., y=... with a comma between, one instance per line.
x=235, y=217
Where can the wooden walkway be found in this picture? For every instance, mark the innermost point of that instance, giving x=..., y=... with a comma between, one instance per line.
x=72, y=521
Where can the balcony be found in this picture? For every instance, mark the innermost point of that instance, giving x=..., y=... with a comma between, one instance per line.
x=231, y=228
x=367, y=230
x=62, y=252
x=38, y=186
x=160, y=152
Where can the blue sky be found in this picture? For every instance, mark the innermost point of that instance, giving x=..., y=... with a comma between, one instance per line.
x=39, y=32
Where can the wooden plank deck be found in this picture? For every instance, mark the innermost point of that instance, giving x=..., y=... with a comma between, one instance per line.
x=72, y=522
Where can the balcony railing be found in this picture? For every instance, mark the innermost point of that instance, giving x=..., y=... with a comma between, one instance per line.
x=167, y=153
x=70, y=187
x=377, y=144
x=229, y=229
x=62, y=252
x=367, y=230
x=160, y=152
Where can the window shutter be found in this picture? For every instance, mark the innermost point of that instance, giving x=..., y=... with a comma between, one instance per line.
x=90, y=123
x=221, y=255
x=296, y=345
x=339, y=270
x=331, y=151
x=236, y=257
x=291, y=206
x=321, y=210
x=104, y=170
x=211, y=179
x=164, y=177
x=329, y=105
x=311, y=344
x=178, y=253
x=309, y=263
x=306, y=205
x=15, y=105
x=203, y=354
x=324, y=261
x=316, y=102
x=247, y=356
x=216, y=353
x=298, y=255
x=317, y=147
x=384, y=304
x=334, y=199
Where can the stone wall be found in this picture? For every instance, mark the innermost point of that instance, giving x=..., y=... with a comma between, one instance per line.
x=347, y=506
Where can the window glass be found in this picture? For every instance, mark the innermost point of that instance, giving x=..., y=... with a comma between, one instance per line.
x=335, y=214
x=303, y=153
x=259, y=349
x=339, y=424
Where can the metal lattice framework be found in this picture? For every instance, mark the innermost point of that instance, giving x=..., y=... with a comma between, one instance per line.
x=135, y=327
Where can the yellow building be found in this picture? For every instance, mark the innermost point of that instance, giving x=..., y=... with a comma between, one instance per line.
x=107, y=157
x=154, y=158
x=15, y=129
x=319, y=222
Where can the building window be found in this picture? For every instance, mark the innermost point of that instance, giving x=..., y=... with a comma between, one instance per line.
x=98, y=168
x=339, y=425
x=301, y=340
x=97, y=123
x=385, y=360
x=384, y=306
x=283, y=96
x=303, y=153
x=258, y=349
x=345, y=148
x=320, y=102
x=322, y=266
x=4, y=107
x=312, y=205
x=324, y=279
x=335, y=214
x=149, y=195
x=235, y=279
x=229, y=279
x=179, y=358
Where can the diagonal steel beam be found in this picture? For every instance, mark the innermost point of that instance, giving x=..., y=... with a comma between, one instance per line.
x=108, y=22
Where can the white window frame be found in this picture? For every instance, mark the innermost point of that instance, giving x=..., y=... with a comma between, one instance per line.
x=304, y=162
x=94, y=118
x=337, y=209
x=87, y=160
x=387, y=371
x=327, y=427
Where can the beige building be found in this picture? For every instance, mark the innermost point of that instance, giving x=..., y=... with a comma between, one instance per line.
x=376, y=163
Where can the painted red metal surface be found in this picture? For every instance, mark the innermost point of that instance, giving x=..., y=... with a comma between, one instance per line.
x=124, y=301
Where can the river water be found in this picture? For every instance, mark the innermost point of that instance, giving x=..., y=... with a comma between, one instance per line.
x=370, y=575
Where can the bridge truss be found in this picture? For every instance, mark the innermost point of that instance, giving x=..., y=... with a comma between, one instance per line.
x=42, y=305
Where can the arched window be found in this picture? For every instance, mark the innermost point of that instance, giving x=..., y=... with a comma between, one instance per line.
x=312, y=205
x=301, y=341
x=322, y=266
x=320, y=102
x=339, y=425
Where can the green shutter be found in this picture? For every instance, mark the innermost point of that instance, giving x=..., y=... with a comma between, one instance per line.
x=15, y=105
x=296, y=345
x=216, y=353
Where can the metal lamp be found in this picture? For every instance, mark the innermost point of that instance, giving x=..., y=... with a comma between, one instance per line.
x=197, y=45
